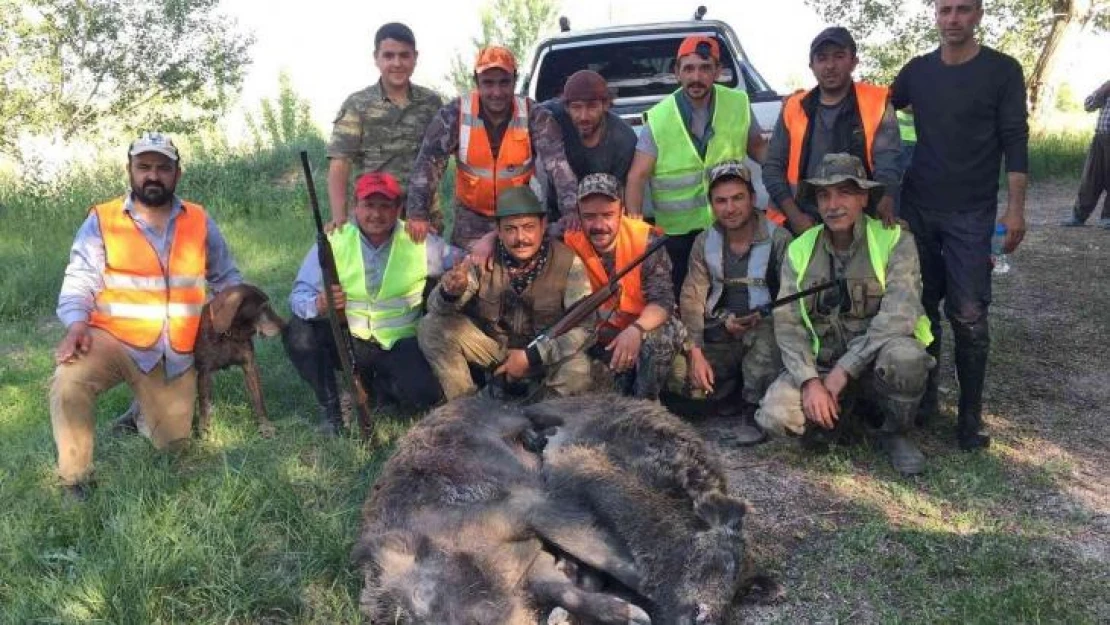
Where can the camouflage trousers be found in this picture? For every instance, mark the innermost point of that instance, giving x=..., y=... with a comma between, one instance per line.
x=748, y=364
x=653, y=365
x=469, y=226
x=893, y=384
x=452, y=342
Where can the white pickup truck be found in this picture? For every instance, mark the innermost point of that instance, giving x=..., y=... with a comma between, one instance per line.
x=638, y=63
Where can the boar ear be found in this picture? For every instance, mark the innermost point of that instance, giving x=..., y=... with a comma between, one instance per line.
x=393, y=552
x=718, y=509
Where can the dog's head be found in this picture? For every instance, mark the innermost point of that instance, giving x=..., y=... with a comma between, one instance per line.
x=244, y=309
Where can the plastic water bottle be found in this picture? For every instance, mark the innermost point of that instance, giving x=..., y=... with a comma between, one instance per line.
x=999, y=259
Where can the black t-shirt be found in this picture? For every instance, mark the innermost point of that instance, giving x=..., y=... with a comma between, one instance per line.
x=613, y=155
x=966, y=116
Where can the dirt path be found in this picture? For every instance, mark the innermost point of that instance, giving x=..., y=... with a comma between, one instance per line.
x=852, y=541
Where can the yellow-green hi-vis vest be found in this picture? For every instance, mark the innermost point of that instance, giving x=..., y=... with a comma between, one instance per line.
x=880, y=244
x=390, y=314
x=678, y=185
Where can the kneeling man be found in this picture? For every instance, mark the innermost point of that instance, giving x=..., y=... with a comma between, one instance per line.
x=870, y=330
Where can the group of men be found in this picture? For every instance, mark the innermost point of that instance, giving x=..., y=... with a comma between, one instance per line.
x=431, y=320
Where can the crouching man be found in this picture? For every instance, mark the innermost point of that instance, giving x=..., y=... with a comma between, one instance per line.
x=382, y=273
x=734, y=269
x=864, y=339
x=637, y=334
x=131, y=302
x=488, y=315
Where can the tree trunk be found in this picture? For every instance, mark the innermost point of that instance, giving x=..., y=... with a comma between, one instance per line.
x=1068, y=19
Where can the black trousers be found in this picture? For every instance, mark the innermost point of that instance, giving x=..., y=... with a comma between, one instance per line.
x=678, y=247
x=1095, y=180
x=400, y=374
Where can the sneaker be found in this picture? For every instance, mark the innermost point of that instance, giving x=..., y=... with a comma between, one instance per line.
x=904, y=455
x=1073, y=222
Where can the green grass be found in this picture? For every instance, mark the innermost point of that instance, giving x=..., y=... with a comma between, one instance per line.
x=1057, y=154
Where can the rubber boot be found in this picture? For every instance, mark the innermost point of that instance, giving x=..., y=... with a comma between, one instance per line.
x=898, y=413
x=972, y=349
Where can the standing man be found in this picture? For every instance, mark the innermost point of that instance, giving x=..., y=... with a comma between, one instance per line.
x=870, y=329
x=637, y=335
x=697, y=126
x=969, y=110
x=597, y=141
x=839, y=115
x=495, y=137
x=131, y=303
x=1096, y=172
x=379, y=128
x=490, y=313
x=734, y=268
x=382, y=275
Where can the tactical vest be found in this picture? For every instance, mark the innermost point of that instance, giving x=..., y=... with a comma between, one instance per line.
x=759, y=257
x=880, y=244
x=870, y=106
x=632, y=241
x=140, y=296
x=513, y=319
x=678, y=185
x=391, y=313
x=480, y=177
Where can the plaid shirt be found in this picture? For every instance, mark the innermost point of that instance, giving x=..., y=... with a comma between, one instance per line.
x=1093, y=101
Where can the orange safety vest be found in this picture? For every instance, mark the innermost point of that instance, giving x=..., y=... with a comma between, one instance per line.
x=139, y=295
x=871, y=101
x=479, y=176
x=632, y=240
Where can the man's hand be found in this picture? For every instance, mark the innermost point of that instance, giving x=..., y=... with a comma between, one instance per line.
x=799, y=220
x=818, y=404
x=337, y=294
x=77, y=342
x=418, y=229
x=836, y=381
x=482, y=249
x=331, y=226
x=455, y=281
x=885, y=211
x=739, y=326
x=626, y=349
x=1015, y=230
x=701, y=372
x=515, y=366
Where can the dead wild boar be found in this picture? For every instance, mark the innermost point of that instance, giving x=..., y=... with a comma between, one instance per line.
x=446, y=536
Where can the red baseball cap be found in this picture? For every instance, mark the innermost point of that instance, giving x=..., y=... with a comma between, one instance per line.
x=694, y=45
x=379, y=183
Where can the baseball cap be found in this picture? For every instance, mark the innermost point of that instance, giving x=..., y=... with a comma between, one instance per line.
x=379, y=183
x=585, y=85
x=836, y=35
x=495, y=57
x=516, y=201
x=700, y=45
x=599, y=184
x=837, y=168
x=153, y=142
x=729, y=169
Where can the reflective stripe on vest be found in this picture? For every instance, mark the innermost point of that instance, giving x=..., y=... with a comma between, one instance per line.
x=678, y=185
x=871, y=101
x=880, y=244
x=140, y=298
x=479, y=177
x=390, y=314
x=759, y=257
x=632, y=241
x=906, y=127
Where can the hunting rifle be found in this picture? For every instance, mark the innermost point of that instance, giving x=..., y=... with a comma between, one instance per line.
x=765, y=309
x=337, y=318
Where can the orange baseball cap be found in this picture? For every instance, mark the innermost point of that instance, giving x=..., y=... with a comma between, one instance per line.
x=700, y=45
x=377, y=183
x=495, y=57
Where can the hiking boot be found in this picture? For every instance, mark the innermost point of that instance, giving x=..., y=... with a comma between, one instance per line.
x=1072, y=222
x=904, y=455
x=973, y=441
x=748, y=432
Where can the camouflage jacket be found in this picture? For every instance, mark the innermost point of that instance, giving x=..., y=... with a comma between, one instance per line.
x=851, y=332
x=441, y=141
x=695, y=289
x=376, y=135
x=551, y=351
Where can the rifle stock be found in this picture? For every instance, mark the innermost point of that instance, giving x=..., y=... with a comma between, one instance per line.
x=337, y=318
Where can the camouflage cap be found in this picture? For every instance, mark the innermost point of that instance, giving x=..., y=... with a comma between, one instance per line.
x=837, y=168
x=599, y=184
x=516, y=201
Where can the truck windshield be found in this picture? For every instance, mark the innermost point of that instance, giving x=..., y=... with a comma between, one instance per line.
x=633, y=66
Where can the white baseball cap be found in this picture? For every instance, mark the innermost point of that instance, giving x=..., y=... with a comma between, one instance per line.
x=153, y=142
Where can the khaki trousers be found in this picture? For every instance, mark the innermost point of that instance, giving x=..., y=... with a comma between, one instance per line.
x=167, y=405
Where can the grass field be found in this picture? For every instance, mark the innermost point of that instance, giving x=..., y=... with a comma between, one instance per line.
x=244, y=530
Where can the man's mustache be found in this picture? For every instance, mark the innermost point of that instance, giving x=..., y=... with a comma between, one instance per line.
x=597, y=233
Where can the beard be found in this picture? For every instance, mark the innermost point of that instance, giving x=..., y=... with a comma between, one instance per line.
x=153, y=193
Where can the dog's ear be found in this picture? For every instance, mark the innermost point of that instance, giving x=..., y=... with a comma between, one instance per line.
x=224, y=306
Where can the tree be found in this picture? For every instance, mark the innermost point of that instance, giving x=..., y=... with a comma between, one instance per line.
x=79, y=69
x=515, y=24
x=890, y=32
x=284, y=122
